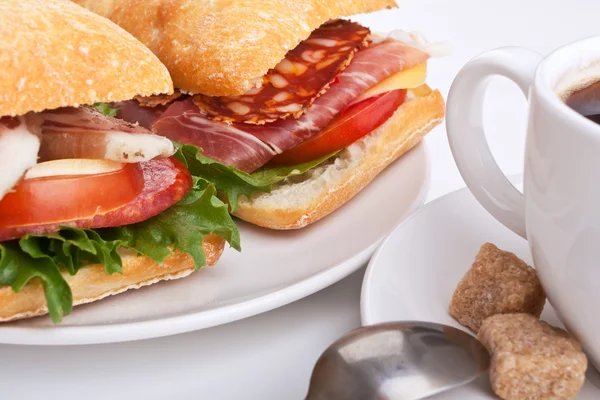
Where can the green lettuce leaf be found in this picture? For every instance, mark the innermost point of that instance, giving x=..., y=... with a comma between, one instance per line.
x=234, y=182
x=17, y=268
x=39, y=256
x=272, y=175
x=182, y=226
x=106, y=109
x=73, y=248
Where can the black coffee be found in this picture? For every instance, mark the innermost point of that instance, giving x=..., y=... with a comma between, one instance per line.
x=586, y=102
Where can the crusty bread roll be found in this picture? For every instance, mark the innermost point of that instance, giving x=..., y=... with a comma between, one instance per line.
x=54, y=54
x=323, y=189
x=91, y=283
x=224, y=47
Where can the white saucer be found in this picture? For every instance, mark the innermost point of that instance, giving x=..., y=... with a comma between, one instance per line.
x=273, y=269
x=415, y=271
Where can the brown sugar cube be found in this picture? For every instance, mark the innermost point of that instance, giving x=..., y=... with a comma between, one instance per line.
x=498, y=282
x=531, y=359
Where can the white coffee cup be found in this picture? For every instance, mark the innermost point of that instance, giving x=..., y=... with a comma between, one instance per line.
x=559, y=210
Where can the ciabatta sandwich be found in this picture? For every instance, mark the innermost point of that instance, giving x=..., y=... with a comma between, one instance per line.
x=306, y=108
x=90, y=205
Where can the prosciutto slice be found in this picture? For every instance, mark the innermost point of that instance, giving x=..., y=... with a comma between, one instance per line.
x=19, y=146
x=86, y=133
x=132, y=111
x=228, y=144
x=249, y=147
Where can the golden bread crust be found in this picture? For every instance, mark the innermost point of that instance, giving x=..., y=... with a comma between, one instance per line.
x=224, y=47
x=38, y=38
x=400, y=133
x=91, y=283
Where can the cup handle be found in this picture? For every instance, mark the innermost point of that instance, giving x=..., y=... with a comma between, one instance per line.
x=464, y=122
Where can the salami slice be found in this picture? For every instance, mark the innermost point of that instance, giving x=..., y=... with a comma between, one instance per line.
x=291, y=87
x=166, y=181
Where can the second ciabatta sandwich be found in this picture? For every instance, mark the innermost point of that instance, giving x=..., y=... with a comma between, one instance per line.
x=90, y=205
x=305, y=108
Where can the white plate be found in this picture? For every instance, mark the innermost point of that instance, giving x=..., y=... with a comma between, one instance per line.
x=274, y=269
x=413, y=274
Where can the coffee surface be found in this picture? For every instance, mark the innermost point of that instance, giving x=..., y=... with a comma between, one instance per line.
x=586, y=101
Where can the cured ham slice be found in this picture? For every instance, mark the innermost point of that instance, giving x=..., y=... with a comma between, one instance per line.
x=134, y=113
x=145, y=110
x=19, y=146
x=291, y=87
x=248, y=146
x=86, y=133
x=228, y=144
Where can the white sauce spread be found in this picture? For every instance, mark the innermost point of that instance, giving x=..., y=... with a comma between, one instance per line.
x=418, y=41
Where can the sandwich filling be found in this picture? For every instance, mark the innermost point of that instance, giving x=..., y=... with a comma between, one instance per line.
x=332, y=89
x=80, y=185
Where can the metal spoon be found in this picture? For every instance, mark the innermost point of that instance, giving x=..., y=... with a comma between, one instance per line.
x=397, y=360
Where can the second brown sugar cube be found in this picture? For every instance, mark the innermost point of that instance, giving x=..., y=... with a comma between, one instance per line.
x=497, y=283
x=531, y=359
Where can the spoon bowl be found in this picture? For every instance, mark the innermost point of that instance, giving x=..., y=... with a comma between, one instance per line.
x=397, y=360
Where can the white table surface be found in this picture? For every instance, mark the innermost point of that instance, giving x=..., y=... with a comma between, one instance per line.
x=270, y=356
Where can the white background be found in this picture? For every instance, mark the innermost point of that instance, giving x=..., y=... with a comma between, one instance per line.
x=270, y=356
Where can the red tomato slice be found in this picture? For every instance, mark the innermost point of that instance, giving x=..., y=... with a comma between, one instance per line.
x=67, y=198
x=355, y=122
x=132, y=194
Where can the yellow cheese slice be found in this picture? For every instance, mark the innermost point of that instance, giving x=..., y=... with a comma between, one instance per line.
x=407, y=79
